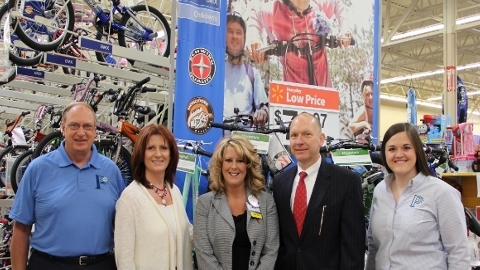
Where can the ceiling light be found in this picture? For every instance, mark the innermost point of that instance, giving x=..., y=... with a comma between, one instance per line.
x=468, y=94
x=426, y=74
x=468, y=19
x=434, y=27
x=419, y=102
x=418, y=31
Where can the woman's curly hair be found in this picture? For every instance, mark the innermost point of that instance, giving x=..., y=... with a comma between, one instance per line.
x=254, y=180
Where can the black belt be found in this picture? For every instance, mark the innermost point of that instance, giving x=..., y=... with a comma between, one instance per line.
x=80, y=260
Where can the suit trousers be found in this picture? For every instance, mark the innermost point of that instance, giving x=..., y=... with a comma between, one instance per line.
x=39, y=262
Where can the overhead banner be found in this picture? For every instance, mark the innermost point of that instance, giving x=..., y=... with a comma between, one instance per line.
x=199, y=79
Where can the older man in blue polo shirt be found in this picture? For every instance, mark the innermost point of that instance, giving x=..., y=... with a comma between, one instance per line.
x=70, y=195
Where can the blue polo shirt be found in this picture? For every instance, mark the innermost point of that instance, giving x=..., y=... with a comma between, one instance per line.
x=73, y=208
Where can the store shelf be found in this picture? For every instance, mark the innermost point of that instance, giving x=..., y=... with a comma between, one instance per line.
x=468, y=181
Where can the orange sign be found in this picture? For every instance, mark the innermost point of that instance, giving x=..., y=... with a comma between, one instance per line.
x=451, y=78
x=304, y=96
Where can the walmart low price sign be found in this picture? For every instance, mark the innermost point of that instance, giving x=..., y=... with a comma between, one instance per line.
x=287, y=100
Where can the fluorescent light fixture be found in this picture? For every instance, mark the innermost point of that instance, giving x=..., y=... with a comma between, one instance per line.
x=426, y=74
x=419, y=102
x=418, y=31
x=434, y=27
x=468, y=19
x=440, y=97
x=412, y=76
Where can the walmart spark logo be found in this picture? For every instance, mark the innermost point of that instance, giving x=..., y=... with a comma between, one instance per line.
x=277, y=93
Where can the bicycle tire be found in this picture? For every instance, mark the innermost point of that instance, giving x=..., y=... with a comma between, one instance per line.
x=121, y=33
x=18, y=169
x=17, y=60
x=48, y=143
x=11, y=149
x=52, y=45
x=108, y=148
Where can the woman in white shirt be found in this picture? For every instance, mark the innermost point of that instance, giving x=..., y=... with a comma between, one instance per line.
x=152, y=230
x=417, y=221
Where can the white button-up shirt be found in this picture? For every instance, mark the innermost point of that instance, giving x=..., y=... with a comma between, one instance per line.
x=425, y=229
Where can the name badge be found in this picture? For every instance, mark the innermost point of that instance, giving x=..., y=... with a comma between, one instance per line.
x=256, y=215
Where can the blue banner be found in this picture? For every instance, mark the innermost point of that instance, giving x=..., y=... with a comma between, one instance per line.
x=200, y=76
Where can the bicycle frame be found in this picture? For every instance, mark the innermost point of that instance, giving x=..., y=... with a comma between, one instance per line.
x=106, y=19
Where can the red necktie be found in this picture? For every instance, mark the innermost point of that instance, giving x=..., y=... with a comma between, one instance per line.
x=300, y=203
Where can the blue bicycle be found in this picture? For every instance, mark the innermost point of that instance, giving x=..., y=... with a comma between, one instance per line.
x=44, y=25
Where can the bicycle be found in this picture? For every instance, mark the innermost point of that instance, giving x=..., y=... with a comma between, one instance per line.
x=113, y=145
x=305, y=44
x=12, y=149
x=37, y=21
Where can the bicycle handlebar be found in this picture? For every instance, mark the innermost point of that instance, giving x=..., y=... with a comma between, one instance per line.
x=195, y=149
x=142, y=82
x=342, y=145
x=235, y=127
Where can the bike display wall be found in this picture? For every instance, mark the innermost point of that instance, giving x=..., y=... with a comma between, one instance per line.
x=43, y=83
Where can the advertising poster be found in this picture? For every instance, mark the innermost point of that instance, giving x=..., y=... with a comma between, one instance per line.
x=284, y=57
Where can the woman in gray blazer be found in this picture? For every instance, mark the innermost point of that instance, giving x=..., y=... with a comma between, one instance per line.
x=236, y=225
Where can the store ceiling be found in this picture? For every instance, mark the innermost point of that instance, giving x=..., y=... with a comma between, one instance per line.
x=424, y=53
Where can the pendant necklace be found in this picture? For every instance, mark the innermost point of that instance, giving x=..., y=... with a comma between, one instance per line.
x=162, y=192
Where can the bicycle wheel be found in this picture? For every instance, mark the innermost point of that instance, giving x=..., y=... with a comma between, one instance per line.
x=154, y=20
x=108, y=148
x=59, y=16
x=18, y=56
x=14, y=150
x=18, y=169
x=48, y=144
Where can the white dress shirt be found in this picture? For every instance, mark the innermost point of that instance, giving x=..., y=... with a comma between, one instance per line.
x=312, y=173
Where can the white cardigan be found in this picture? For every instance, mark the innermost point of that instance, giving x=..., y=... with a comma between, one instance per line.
x=142, y=235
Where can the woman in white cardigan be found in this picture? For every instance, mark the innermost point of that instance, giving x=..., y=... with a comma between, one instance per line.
x=152, y=231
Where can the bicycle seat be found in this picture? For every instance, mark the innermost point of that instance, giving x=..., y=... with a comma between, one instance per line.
x=141, y=109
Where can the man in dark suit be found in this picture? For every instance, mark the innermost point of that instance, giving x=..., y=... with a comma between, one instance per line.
x=320, y=207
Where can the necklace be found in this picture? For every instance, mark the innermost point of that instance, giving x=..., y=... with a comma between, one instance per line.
x=162, y=192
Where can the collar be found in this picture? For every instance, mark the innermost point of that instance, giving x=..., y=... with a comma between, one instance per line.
x=312, y=169
x=414, y=183
x=63, y=160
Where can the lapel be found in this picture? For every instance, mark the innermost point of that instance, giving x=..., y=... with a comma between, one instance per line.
x=221, y=206
x=319, y=189
x=284, y=193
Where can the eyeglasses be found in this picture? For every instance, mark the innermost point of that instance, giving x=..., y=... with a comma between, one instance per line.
x=76, y=126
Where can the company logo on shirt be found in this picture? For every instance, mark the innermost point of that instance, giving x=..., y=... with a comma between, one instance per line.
x=416, y=200
x=101, y=180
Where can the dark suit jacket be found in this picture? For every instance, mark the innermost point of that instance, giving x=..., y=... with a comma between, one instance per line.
x=341, y=243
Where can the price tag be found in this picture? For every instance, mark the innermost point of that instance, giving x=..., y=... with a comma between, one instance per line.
x=349, y=157
x=287, y=100
x=260, y=141
x=186, y=162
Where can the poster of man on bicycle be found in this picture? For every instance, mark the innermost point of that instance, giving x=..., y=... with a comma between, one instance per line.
x=327, y=44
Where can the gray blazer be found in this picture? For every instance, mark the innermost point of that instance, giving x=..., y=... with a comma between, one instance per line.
x=214, y=232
